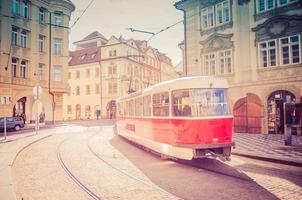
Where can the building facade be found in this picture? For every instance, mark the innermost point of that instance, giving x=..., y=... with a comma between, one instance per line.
x=256, y=45
x=34, y=51
x=124, y=66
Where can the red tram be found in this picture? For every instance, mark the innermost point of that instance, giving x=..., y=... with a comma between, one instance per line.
x=183, y=118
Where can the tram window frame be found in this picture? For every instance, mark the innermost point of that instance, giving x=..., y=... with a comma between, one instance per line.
x=131, y=107
x=161, y=104
x=138, y=106
x=206, y=107
x=147, y=105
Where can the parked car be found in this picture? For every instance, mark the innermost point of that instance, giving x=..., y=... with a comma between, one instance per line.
x=15, y=123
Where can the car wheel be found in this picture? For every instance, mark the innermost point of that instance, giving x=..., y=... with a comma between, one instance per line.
x=17, y=128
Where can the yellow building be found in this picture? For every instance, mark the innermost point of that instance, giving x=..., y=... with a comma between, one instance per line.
x=34, y=50
x=123, y=66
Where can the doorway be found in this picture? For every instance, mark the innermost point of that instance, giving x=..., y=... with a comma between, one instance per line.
x=275, y=110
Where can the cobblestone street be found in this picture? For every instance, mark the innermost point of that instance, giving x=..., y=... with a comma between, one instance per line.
x=113, y=168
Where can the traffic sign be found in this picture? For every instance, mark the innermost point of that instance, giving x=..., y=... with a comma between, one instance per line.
x=37, y=92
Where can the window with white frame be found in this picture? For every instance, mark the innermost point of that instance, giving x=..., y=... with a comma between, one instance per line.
x=87, y=89
x=78, y=91
x=207, y=17
x=97, y=72
x=285, y=2
x=15, y=7
x=225, y=62
x=42, y=15
x=87, y=73
x=112, y=69
x=24, y=39
x=222, y=13
x=97, y=89
x=14, y=67
x=282, y=51
x=209, y=64
x=58, y=46
x=14, y=36
x=41, y=43
x=265, y=5
x=112, y=87
x=58, y=18
x=40, y=72
x=219, y=62
x=268, y=51
x=58, y=73
x=216, y=15
x=290, y=50
x=24, y=10
x=23, y=68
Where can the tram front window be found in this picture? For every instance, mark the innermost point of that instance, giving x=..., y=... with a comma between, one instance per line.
x=199, y=102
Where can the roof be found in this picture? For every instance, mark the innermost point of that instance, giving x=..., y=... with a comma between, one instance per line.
x=92, y=36
x=85, y=56
x=182, y=83
x=178, y=3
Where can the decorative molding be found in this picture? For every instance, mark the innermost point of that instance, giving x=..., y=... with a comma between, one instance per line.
x=277, y=10
x=217, y=42
x=277, y=27
x=206, y=3
x=242, y=2
x=216, y=29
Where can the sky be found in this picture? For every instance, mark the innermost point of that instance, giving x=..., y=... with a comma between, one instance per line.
x=113, y=17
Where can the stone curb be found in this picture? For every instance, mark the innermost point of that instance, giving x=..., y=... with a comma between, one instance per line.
x=7, y=191
x=275, y=160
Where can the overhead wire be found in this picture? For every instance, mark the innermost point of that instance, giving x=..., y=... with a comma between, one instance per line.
x=82, y=13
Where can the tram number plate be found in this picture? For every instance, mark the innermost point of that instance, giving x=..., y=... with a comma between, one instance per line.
x=130, y=127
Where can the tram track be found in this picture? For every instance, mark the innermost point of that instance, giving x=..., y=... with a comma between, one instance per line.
x=123, y=172
x=74, y=178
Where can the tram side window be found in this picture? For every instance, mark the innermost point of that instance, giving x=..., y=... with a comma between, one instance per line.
x=138, y=107
x=131, y=108
x=199, y=102
x=161, y=104
x=147, y=107
x=126, y=108
x=181, y=103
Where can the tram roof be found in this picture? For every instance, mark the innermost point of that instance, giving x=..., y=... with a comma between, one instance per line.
x=182, y=83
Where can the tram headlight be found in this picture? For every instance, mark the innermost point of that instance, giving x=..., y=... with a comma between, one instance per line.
x=215, y=139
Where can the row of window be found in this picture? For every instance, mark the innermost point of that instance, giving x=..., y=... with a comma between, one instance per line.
x=78, y=109
x=186, y=102
x=22, y=8
x=58, y=42
x=266, y=5
x=87, y=73
x=215, y=15
x=277, y=52
x=87, y=90
x=19, y=69
x=220, y=13
x=282, y=51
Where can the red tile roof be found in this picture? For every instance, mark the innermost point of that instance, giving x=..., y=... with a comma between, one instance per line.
x=85, y=56
x=91, y=36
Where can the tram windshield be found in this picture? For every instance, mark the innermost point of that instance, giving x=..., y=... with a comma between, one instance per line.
x=199, y=102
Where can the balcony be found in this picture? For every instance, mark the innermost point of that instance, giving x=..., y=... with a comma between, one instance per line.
x=26, y=53
x=16, y=51
x=21, y=81
x=59, y=87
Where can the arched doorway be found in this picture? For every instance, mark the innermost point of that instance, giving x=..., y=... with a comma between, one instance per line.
x=275, y=110
x=20, y=108
x=247, y=114
x=111, y=109
x=78, y=111
x=87, y=112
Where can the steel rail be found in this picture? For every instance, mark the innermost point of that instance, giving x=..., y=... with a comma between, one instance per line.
x=72, y=176
x=123, y=172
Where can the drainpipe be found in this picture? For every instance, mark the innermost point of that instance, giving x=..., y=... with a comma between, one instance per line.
x=49, y=73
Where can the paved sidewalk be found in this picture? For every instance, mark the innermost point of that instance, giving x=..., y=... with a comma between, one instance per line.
x=9, y=149
x=268, y=147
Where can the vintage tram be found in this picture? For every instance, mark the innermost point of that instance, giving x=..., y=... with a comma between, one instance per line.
x=184, y=118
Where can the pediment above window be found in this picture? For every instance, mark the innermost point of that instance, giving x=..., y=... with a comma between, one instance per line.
x=278, y=26
x=217, y=42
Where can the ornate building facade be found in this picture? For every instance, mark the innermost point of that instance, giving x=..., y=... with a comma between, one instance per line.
x=123, y=66
x=254, y=44
x=34, y=50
